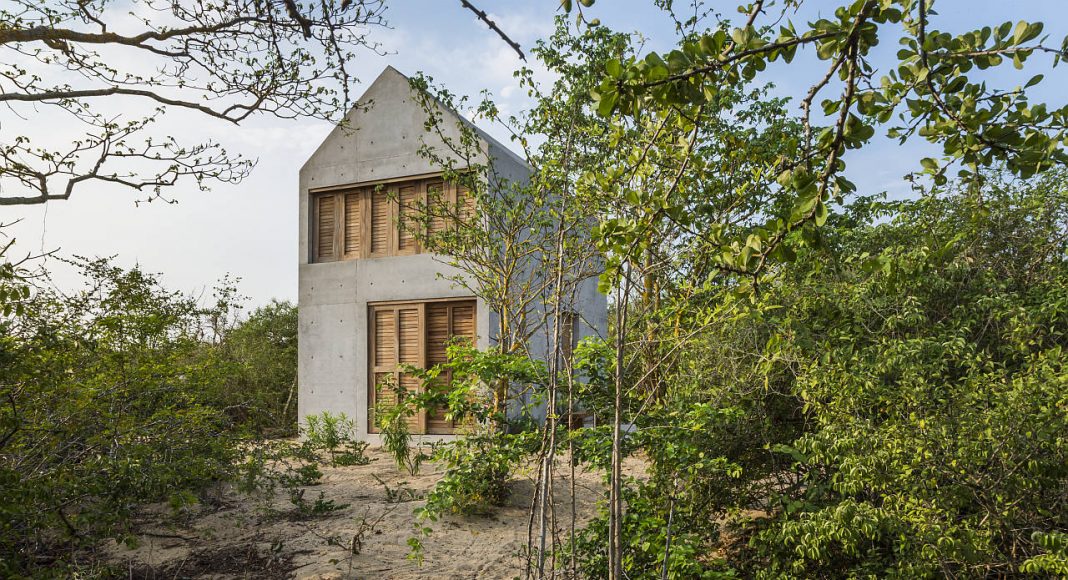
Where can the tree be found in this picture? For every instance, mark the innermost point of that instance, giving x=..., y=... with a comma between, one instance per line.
x=225, y=60
x=926, y=92
x=672, y=99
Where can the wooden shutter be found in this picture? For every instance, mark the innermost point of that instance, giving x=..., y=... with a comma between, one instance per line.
x=381, y=222
x=437, y=337
x=408, y=200
x=383, y=342
x=353, y=224
x=437, y=203
x=325, y=227
x=397, y=339
x=465, y=204
x=444, y=322
x=414, y=334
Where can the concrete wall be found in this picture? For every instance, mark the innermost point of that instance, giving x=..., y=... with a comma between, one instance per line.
x=381, y=142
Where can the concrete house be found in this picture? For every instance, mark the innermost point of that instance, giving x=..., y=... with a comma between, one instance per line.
x=369, y=299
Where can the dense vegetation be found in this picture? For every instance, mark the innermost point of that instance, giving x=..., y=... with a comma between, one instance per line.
x=894, y=404
x=124, y=393
x=820, y=382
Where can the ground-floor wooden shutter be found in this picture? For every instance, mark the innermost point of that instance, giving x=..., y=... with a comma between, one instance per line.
x=396, y=340
x=414, y=334
x=445, y=322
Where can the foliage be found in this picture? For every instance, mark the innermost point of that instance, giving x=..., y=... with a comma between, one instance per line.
x=479, y=464
x=227, y=61
x=262, y=354
x=321, y=506
x=933, y=382
x=892, y=404
x=649, y=540
x=1055, y=559
x=477, y=469
x=126, y=393
x=110, y=404
x=392, y=422
x=923, y=91
x=336, y=435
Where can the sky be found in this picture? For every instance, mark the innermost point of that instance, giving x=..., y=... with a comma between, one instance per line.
x=249, y=230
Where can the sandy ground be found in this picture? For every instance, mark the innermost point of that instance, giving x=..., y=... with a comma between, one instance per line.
x=236, y=536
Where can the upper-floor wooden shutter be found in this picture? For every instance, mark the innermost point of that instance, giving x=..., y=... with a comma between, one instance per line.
x=407, y=211
x=325, y=225
x=381, y=222
x=465, y=204
x=353, y=224
x=437, y=201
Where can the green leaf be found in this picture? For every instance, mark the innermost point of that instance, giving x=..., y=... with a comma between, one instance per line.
x=820, y=216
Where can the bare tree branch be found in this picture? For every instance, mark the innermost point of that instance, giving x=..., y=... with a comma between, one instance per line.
x=481, y=14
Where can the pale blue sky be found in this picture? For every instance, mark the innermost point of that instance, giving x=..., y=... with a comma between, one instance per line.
x=250, y=230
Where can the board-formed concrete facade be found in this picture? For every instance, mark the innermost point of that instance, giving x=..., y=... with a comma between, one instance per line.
x=380, y=142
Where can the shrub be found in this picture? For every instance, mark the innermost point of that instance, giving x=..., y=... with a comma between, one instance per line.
x=335, y=434
x=109, y=402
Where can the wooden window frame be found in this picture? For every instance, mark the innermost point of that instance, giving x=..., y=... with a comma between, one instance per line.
x=374, y=369
x=391, y=188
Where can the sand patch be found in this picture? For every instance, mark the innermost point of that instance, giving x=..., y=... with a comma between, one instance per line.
x=236, y=536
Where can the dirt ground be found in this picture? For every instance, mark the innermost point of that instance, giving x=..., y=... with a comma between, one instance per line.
x=236, y=536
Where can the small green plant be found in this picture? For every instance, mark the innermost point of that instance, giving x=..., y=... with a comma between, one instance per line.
x=334, y=434
x=477, y=469
x=304, y=475
x=355, y=454
x=321, y=506
x=396, y=435
x=400, y=494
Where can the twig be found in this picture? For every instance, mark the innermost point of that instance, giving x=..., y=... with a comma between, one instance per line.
x=481, y=14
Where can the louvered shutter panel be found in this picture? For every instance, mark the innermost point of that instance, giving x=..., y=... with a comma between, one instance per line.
x=385, y=338
x=465, y=204
x=437, y=337
x=444, y=322
x=437, y=202
x=353, y=224
x=381, y=227
x=437, y=332
x=326, y=223
x=463, y=321
x=407, y=211
x=410, y=352
x=383, y=361
x=397, y=341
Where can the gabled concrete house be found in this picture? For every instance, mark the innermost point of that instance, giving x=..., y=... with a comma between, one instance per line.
x=370, y=300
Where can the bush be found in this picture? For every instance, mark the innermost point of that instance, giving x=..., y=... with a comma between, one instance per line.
x=477, y=469
x=261, y=353
x=108, y=403
x=891, y=404
x=335, y=434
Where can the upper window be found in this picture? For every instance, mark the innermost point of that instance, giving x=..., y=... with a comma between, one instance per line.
x=380, y=220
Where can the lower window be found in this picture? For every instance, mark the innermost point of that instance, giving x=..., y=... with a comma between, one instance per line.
x=413, y=334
